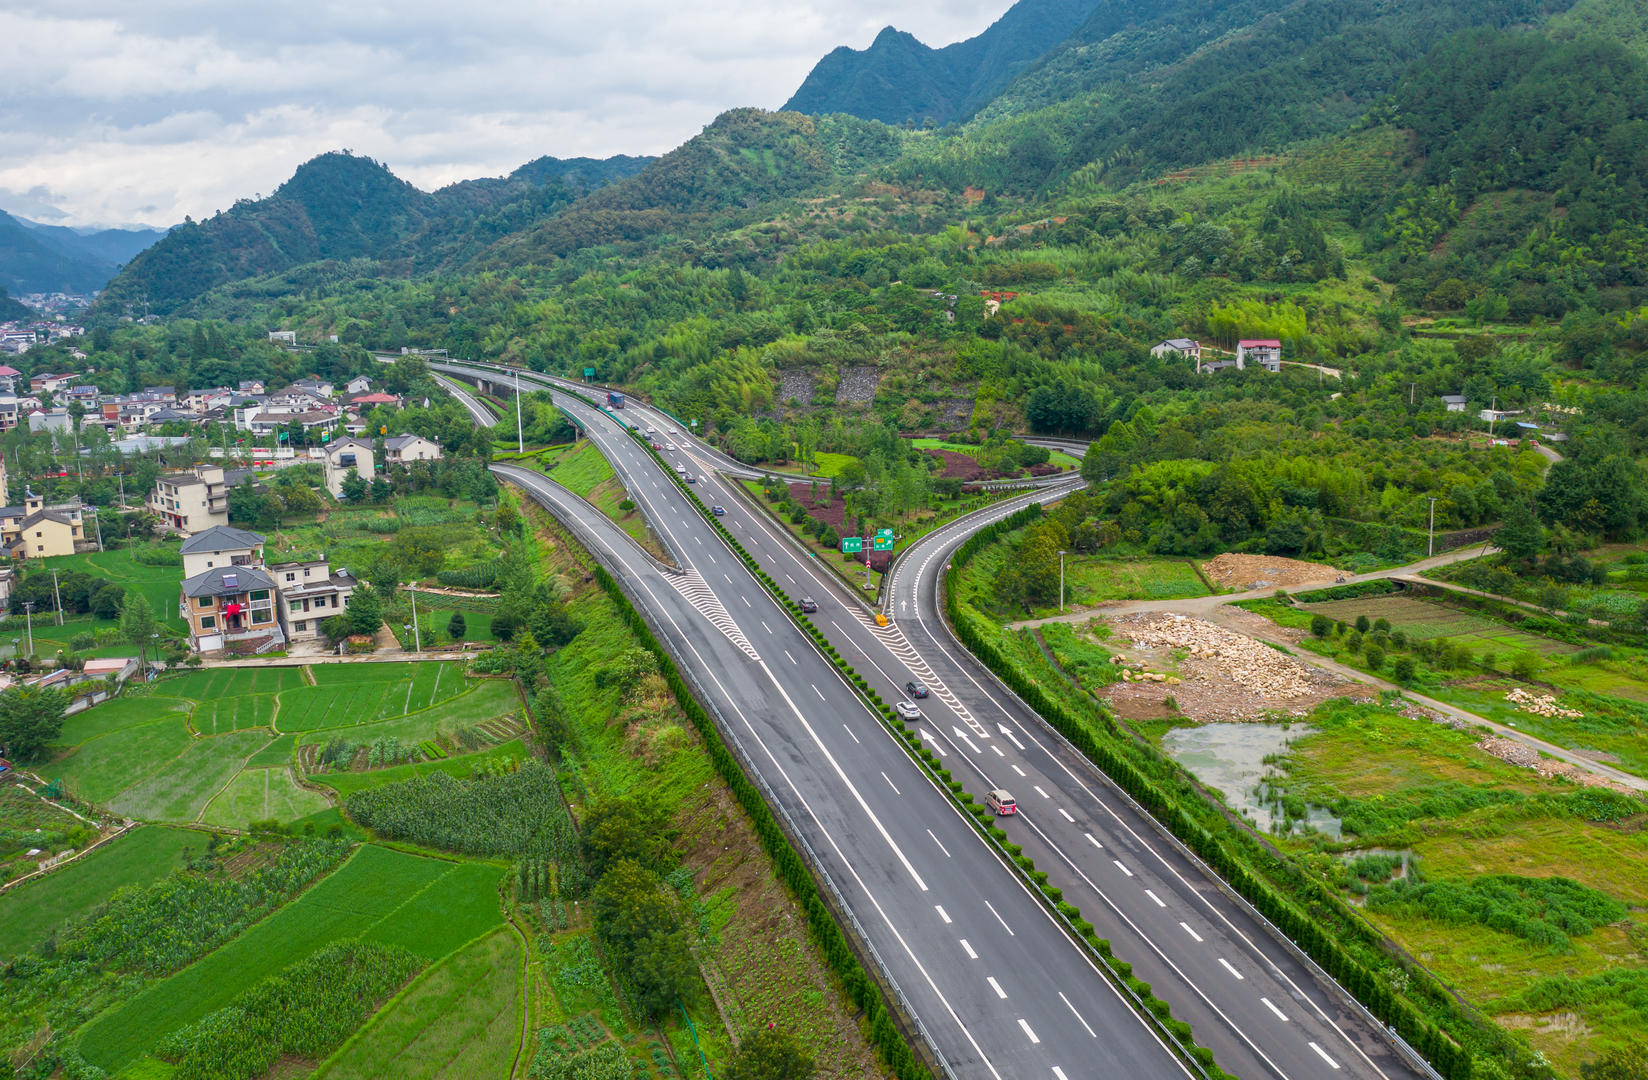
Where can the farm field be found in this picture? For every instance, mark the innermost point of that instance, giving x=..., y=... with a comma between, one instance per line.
x=143, y=855
x=180, y=789
x=429, y=906
x=1402, y=784
x=347, y=783
x=158, y=584
x=1424, y=620
x=350, y=694
x=461, y=1019
x=262, y=795
x=488, y=700
x=123, y=712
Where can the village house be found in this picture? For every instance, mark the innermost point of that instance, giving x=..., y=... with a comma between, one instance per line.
x=360, y=384
x=1454, y=402
x=192, y=502
x=36, y=530
x=1265, y=352
x=230, y=604
x=47, y=383
x=1179, y=346
x=309, y=595
x=50, y=420
x=344, y=457
x=405, y=449
x=8, y=378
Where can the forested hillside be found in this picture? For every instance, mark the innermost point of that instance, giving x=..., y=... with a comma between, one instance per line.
x=31, y=262
x=899, y=80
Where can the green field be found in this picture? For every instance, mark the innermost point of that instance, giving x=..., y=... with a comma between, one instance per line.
x=1424, y=621
x=120, y=714
x=143, y=855
x=214, y=683
x=181, y=788
x=227, y=714
x=261, y=795
x=461, y=1019
x=429, y=906
x=350, y=694
x=99, y=770
x=491, y=698
x=347, y=783
x=158, y=584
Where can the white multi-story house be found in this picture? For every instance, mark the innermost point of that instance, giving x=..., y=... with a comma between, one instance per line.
x=405, y=449
x=309, y=595
x=192, y=502
x=344, y=457
x=1265, y=352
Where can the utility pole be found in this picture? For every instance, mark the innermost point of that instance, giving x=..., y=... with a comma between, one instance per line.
x=1493, y=414
x=520, y=440
x=1061, y=581
x=28, y=619
x=99, y=519
x=57, y=594
x=1430, y=548
x=417, y=639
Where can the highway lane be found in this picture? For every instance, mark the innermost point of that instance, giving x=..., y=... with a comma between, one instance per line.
x=482, y=415
x=996, y=984
x=1247, y=997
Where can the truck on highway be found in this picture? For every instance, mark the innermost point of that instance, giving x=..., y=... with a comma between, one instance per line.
x=615, y=399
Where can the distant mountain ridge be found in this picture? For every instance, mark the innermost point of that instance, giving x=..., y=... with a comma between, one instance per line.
x=898, y=79
x=341, y=207
x=50, y=258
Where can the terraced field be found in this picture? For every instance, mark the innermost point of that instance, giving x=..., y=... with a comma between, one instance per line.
x=1424, y=621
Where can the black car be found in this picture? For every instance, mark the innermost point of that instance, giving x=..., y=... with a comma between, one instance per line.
x=915, y=689
x=809, y=605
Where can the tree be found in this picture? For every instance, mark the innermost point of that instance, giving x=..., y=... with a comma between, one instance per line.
x=1320, y=626
x=634, y=828
x=1627, y=1062
x=354, y=489
x=300, y=499
x=1403, y=669
x=456, y=627
x=31, y=719
x=365, y=612
x=1520, y=536
x=641, y=923
x=1374, y=657
x=138, y=625
x=770, y=1054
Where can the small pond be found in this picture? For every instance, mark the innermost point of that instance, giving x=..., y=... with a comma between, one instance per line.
x=1230, y=758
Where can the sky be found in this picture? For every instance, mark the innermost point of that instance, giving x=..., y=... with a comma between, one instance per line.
x=125, y=112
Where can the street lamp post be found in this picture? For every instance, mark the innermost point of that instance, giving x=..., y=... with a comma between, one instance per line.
x=1061, y=581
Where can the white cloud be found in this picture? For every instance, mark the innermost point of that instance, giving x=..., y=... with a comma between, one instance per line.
x=120, y=113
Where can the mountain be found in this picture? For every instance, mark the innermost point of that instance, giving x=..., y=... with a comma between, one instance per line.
x=339, y=207
x=32, y=262
x=898, y=79
x=109, y=246
x=1144, y=87
x=10, y=309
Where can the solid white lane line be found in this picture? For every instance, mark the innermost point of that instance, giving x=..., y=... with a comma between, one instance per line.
x=1122, y=868
x=971, y=955
x=1230, y=969
x=1018, y=770
x=1040, y=792
x=999, y=919
x=1280, y=1015
x=1078, y=1016
x=1026, y=1026
x=817, y=691
x=1154, y=897
x=942, y=913
x=787, y=653
x=1095, y=841
x=996, y=986
x=850, y=732
x=1323, y=1054
x=1191, y=932
x=892, y=785
x=1067, y=816
x=940, y=844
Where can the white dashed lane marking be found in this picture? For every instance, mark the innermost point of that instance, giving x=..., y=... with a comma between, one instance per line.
x=996, y=986
x=1280, y=1015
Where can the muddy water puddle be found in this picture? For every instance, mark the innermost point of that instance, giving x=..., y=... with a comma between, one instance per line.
x=1230, y=758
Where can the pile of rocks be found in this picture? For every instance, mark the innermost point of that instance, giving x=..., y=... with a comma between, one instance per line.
x=1252, y=665
x=1541, y=704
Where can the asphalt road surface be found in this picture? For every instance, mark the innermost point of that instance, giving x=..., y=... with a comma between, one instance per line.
x=1261, y=1008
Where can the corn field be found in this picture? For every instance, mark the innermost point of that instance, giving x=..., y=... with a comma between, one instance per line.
x=503, y=811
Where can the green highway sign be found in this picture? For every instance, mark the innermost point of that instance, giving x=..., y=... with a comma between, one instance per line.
x=589, y=373
x=851, y=544
x=885, y=532
x=884, y=543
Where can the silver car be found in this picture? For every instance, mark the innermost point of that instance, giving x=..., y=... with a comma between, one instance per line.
x=908, y=710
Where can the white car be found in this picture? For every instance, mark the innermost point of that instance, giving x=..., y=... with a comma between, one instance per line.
x=672, y=431
x=670, y=447
x=908, y=710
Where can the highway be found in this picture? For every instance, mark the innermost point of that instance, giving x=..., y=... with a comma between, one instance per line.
x=1262, y=1008
x=994, y=981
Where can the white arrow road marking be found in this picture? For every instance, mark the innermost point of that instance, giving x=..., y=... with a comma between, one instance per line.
x=964, y=739
x=1007, y=731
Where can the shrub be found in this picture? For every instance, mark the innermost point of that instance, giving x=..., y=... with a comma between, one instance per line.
x=1362, y=624
x=1404, y=669
x=1374, y=656
x=1320, y=626
x=1525, y=666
